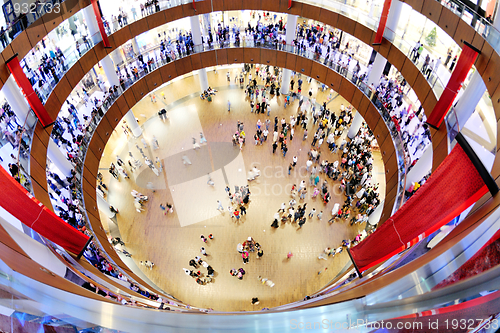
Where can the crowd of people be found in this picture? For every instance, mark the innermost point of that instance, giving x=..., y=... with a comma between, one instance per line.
x=313, y=41
x=319, y=39
x=201, y=278
x=309, y=38
x=245, y=248
x=238, y=202
x=352, y=170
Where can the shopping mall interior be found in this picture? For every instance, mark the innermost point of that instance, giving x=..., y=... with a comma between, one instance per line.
x=249, y=166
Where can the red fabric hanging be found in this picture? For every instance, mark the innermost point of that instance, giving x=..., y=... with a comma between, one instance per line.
x=194, y=5
x=26, y=87
x=22, y=205
x=453, y=187
x=97, y=13
x=382, y=22
x=464, y=64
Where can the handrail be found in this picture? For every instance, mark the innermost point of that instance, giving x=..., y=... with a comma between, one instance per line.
x=404, y=162
x=341, y=7
x=402, y=182
x=200, y=48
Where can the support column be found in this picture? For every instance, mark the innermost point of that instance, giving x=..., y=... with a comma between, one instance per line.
x=496, y=21
x=15, y=99
x=91, y=23
x=133, y=124
x=377, y=70
x=207, y=23
x=285, y=81
x=357, y=121
x=393, y=19
x=202, y=73
x=291, y=27
x=471, y=96
x=72, y=25
x=117, y=57
x=58, y=158
x=196, y=33
x=195, y=30
x=110, y=71
x=135, y=46
x=372, y=5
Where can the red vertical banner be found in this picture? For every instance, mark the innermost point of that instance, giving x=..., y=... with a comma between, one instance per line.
x=382, y=22
x=194, y=5
x=26, y=87
x=451, y=188
x=97, y=13
x=289, y=4
x=467, y=58
x=23, y=206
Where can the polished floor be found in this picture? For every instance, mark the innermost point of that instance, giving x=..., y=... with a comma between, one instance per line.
x=171, y=240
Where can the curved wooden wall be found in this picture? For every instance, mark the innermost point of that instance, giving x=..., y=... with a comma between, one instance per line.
x=53, y=105
x=230, y=56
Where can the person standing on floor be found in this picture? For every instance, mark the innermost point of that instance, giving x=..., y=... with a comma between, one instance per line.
x=202, y=138
x=245, y=255
x=195, y=144
x=228, y=106
x=204, y=252
x=147, y=264
x=453, y=63
x=448, y=57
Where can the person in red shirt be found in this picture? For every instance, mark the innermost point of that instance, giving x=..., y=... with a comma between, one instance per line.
x=244, y=255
